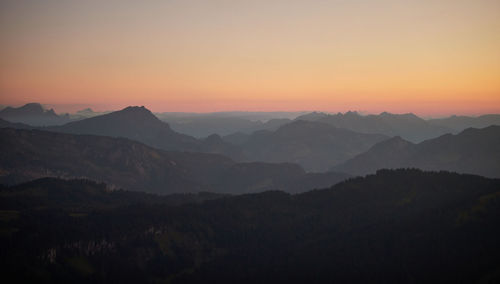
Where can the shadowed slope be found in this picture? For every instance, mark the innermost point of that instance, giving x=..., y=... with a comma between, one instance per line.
x=475, y=151
x=131, y=165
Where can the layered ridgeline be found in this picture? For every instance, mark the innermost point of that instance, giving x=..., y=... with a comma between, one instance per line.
x=408, y=126
x=139, y=124
x=17, y=125
x=33, y=114
x=29, y=154
x=203, y=125
x=475, y=151
x=313, y=145
x=459, y=123
x=403, y=226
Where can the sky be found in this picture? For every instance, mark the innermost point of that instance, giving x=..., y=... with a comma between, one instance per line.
x=428, y=57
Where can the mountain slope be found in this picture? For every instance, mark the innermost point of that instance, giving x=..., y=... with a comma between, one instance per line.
x=136, y=123
x=139, y=124
x=315, y=146
x=401, y=226
x=475, y=151
x=408, y=126
x=16, y=125
x=126, y=164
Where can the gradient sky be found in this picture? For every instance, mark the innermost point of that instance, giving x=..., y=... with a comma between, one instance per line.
x=427, y=57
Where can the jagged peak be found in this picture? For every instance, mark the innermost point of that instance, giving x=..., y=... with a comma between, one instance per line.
x=136, y=110
x=36, y=107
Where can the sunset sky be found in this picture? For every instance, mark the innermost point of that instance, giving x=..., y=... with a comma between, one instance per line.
x=428, y=57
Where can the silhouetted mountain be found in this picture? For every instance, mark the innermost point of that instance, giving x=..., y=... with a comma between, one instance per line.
x=408, y=126
x=33, y=114
x=139, y=124
x=313, y=116
x=403, y=226
x=313, y=145
x=131, y=165
x=475, y=151
x=459, y=123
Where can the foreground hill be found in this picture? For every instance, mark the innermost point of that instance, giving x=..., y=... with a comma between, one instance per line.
x=315, y=146
x=33, y=114
x=475, y=151
x=408, y=126
x=139, y=124
x=122, y=163
x=403, y=226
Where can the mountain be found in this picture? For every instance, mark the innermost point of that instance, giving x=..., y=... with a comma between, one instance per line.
x=237, y=138
x=408, y=126
x=136, y=123
x=397, y=226
x=139, y=124
x=313, y=145
x=82, y=194
x=247, y=115
x=459, y=123
x=205, y=125
x=33, y=114
x=122, y=163
x=6, y=124
x=86, y=113
x=475, y=151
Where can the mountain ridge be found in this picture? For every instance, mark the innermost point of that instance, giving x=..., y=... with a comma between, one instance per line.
x=132, y=165
x=474, y=151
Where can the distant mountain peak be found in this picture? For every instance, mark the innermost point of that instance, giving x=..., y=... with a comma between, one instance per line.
x=396, y=139
x=351, y=113
x=393, y=143
x=136, y=112
x=33, y=114
x=32, y=106
x=85, y=110
x=137, y=109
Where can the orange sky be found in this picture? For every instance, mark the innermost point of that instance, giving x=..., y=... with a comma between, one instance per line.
x=428, y=57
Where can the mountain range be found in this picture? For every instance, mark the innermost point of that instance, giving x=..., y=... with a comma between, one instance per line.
x=33, y=114
x=459, y=123
x=315, y=146
x=203, y=126
x=408, y=126
x=123, y=163
x=475, y=151
x=310, y=141
x=140, y=124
